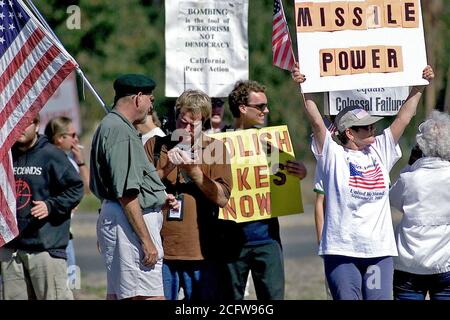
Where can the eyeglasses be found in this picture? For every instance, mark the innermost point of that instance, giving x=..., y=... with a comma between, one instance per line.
x=369, y=127
x=421, y=127
x=73, y=134
x=261, y=106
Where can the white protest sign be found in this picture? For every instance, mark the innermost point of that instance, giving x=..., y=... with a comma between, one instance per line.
x=206, y=46
x=64, y=102
x=355, y=44
x=376, y=101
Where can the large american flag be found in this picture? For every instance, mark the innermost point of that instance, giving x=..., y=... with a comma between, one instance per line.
x=283, y=56
x=32, y=66
x=366, y=179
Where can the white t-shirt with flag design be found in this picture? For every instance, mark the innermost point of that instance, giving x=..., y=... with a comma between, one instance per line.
x=358, y=219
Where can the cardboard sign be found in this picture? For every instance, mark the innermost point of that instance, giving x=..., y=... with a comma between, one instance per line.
x=206, y=46
x=355, y=44
x=262, y=188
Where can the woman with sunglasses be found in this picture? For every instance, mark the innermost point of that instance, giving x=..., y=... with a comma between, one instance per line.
x=357, y=242
x=61, y=132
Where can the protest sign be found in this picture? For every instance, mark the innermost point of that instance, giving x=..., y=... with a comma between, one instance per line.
x=206, y=46
x=262, y=188
x=376, y=101
x=356, y=44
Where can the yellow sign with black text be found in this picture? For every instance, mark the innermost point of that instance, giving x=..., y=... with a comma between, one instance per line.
x=262, y=188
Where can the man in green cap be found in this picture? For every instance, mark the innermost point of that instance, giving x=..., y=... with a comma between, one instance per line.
x=132, y=195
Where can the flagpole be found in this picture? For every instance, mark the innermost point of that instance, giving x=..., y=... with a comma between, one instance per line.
x=293, y=54
x=80, y=72
x=288, y=31
x=290, y=39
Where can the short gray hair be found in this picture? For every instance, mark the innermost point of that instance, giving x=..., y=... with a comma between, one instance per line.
x=433, y=136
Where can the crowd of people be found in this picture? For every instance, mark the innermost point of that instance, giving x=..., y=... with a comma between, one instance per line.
x=158, y=228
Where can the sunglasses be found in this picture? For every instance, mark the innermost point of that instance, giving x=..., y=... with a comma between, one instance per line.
x=261, y=107
x=369, y=127
x=73, y=134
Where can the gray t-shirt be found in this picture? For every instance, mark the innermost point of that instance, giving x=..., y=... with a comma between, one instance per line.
x=119, y=164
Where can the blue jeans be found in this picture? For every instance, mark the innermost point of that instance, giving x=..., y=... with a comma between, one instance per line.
x=351, y=278
x=410, y=286
x=71, y=263
x=199, y=280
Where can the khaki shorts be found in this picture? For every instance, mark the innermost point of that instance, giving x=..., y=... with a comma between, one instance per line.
x=122, y=253
x=30, y=276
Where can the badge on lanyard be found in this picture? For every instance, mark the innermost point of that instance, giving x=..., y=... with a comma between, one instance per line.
x=176, y=214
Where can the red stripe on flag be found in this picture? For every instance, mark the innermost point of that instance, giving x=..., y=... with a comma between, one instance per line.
x=9, y=172
x=276, y=30
x=46, y=93
x=7, y=215
x=283, y=56
x=31, y=54
x=28, y=83
x=21, y=56
x=276, y=52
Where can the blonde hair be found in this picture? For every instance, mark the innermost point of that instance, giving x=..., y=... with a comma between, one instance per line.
x=194, y=101
x=155, y=118
x=56, y=127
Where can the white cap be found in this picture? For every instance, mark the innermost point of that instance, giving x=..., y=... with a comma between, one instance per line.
x=354, y=116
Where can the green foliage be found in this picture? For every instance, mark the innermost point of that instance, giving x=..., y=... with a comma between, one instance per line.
x=128, y=36
x=89, y=203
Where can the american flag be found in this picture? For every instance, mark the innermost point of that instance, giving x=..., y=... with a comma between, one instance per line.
x=32, y=66
x=283, y=56
x=360, y=113
x=366, y=179
x=330, y=125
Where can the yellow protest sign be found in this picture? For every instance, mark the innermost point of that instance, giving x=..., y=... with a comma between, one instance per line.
x=262, y=188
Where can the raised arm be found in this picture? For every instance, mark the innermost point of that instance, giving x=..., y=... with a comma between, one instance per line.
x=313, y=113
x=408, y=109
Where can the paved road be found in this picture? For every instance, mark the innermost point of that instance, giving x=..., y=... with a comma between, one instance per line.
x=304, y=271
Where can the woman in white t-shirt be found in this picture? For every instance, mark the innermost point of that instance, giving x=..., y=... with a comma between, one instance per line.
x=357, y=241
x=422, y=194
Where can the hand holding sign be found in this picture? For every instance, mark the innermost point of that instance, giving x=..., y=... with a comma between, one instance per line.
x=296, y=168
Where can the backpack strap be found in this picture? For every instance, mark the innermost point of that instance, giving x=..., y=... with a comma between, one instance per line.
x=159, y=141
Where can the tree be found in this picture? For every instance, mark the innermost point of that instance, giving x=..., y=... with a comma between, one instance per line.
x=128, y=36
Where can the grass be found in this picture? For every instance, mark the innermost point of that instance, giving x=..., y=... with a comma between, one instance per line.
x=90, y=293
x=89, y=203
